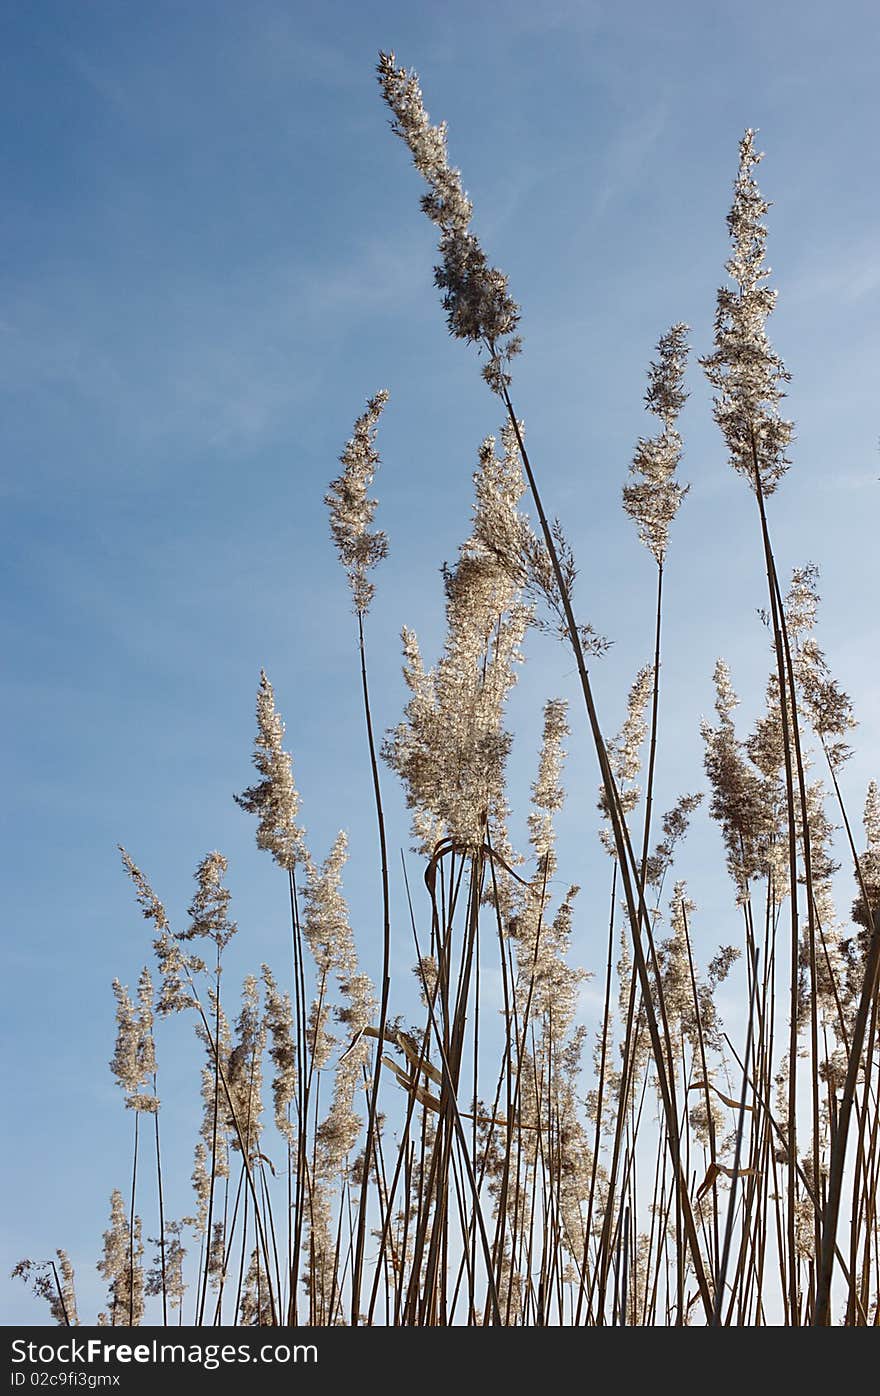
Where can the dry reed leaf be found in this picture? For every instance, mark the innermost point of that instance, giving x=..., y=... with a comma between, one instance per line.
x=409, y=1084
x=713, y=1171
x=374, y=1032
x=711, y=1174
x=489, y=1120
x=425, y=1098
x=402, y=1077
x=417, y=1061
x=451, y=845
x=734, y=1104
x=270, y=1163
x=354, y=1042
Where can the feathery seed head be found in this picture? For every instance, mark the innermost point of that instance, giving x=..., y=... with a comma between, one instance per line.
x=675, y=826
x=747, y=805
x=325, y=924
x=123, y=1272
x=866, y=913
x=548, y=795
x=274, y=799
x=166, y=1273
x=279, y=1021
x=54, y=1283
x=624, y=753
x=210, y=905
x=244, y=1071
x=626, y=747
x=744, y=370
x=478, y=305
x=652, y=500
x=351, y=509
x=134, y=1058
x=150, y=905
x=451, y=749
x=829, y=709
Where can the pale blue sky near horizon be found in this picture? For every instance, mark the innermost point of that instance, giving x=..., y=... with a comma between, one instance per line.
x=212, y=255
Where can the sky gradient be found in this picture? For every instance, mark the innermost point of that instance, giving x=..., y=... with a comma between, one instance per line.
x=212, y=255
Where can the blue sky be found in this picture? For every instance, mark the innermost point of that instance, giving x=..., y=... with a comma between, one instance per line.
x=212, y=254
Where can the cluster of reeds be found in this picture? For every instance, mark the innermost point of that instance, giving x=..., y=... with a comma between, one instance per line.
x=447, y=1168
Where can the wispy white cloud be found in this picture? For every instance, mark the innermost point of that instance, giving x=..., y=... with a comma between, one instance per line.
x=848, y=273
x=627, y=155
x=853, y=481
x=190, y=359
x=277, y=48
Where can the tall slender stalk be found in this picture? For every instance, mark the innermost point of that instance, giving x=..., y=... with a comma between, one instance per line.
x=637, y=910
x=357, y=1266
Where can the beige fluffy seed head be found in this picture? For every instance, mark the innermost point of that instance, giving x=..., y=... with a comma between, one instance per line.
x=209, y=912
x=866, y=913
x=134, y=1057
x=744, y=370
x=451, y=748
x=123, y=1271
x=828, y=707
x=46, y=1280
x=548, y=795
x=624, y=753
x=653, y=499
x=244, y=1071
x=279, y=1021
x=326, y=925
x=748, y=805
x=274, y=799
x=478, y=305
x=351, y=509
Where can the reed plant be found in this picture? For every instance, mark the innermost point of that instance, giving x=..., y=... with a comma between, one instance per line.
x=431, y=1163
